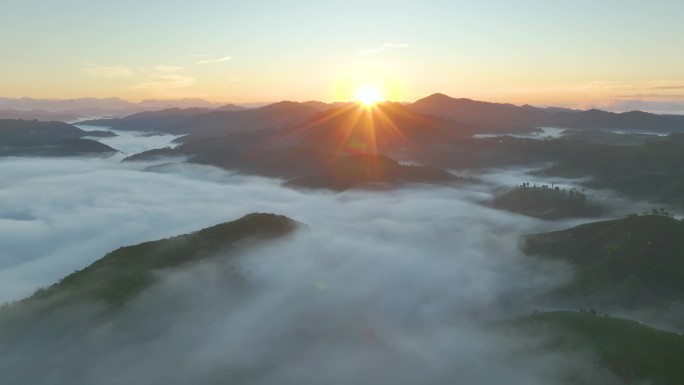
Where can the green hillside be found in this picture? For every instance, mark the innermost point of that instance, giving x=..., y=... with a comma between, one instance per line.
x=632, y=351
x=123, y=273
x=632, y=261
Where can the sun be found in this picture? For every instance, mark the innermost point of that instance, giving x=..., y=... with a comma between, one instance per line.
x=368, y=95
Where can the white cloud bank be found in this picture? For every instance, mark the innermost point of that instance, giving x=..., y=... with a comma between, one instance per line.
x=382, y=288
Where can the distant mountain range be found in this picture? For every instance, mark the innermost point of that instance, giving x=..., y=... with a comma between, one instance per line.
x=300, y=140
x=471, y=111
x=40, y=115
x=439, y=110
x=294, y=140
x=462, y=110
x=202, y=122
x=69, y=110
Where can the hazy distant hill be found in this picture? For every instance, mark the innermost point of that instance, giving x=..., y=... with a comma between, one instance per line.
x=633, y=120
x=40, y=115
x=95, y=107
x=36, y=138
x=149, y=121
x=635, y=261
x=321, y=106
x=471, y=111
x=230, y=107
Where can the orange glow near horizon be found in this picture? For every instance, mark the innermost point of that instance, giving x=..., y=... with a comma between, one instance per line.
x=369, y=95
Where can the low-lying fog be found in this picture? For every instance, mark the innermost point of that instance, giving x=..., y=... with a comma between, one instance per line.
x=383, y=287
x=546, y=133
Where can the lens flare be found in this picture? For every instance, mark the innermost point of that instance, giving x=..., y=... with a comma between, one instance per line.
x=368, y=95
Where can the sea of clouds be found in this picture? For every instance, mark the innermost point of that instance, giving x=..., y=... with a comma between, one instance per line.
x=381, y=287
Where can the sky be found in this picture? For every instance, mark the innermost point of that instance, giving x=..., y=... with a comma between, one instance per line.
x=539, y=52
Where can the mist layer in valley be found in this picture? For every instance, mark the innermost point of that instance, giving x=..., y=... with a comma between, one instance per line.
x=391, y=288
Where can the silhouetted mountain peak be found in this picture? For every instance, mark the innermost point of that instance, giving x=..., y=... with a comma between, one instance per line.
x=437, y=96
x=230, y=107
x=281, y=104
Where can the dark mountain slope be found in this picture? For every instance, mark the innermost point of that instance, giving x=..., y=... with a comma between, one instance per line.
x=362, y=170
x=476, y=112
x=35, y=138
x=218, y=123
x=317, y=147
x=385, y=128
x=645, y=171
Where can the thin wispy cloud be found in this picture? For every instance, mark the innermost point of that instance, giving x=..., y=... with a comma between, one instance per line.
x=95, y=71
x=672, y=87
x=162, y=78
x=382, y=48
x=162, y=82
x=166, y=68
x=209, y=61
x=651, y=95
